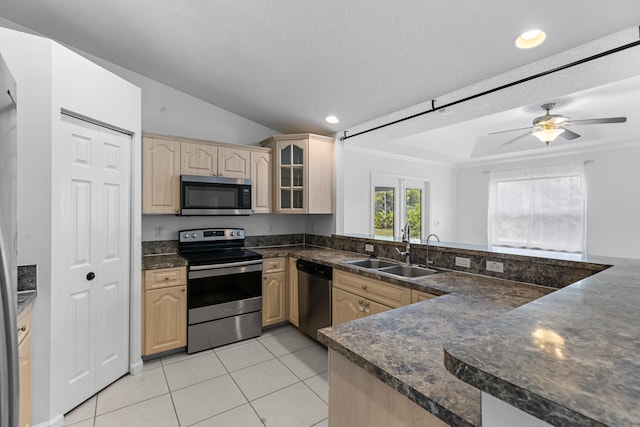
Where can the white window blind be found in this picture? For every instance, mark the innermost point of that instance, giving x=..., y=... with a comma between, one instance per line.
x=539, y=208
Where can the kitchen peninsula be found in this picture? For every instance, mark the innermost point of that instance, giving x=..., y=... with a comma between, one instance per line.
x=587, y=375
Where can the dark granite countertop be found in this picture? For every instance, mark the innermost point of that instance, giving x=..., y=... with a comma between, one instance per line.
x=570, y=358
x=156, y=261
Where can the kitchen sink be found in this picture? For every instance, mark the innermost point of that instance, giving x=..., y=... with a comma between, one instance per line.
x=372, y=263
x=409, y=271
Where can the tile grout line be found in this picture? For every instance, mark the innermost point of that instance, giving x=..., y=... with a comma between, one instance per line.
x=175, y=411
x=314, y=392
x=241, y=391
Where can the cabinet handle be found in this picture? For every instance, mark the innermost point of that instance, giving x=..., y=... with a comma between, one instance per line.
x=183, y=290
x=22, y=328
x=366, y=310
x=364, y=286
x=177, y=210
x=360, y=308
x=167, y=278
x=361, y=302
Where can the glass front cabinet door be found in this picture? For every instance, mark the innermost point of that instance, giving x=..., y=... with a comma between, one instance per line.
x=291, y=176
x=302, y=173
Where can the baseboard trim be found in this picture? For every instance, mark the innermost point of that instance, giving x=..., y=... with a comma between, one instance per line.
x=136, y=368
x=57, y=421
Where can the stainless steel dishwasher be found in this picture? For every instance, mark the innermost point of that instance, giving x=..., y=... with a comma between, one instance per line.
x=314, y=297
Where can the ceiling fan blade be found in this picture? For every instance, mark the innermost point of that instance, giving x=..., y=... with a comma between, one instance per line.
x=599, y=121
x=569, y=134
x=511, y=141
x=510, y=130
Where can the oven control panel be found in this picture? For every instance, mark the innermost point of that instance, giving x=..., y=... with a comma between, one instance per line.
x=211, y=234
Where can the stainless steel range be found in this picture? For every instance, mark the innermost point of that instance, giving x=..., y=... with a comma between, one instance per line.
x=224, y=287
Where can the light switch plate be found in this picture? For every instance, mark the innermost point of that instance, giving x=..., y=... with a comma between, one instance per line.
x=463, y=262
x=368, y=248
x=494, y=266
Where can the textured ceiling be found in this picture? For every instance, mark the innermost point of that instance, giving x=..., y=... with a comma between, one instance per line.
x=287, y=64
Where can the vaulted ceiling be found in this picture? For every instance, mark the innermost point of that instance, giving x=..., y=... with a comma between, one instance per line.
x=287, y=64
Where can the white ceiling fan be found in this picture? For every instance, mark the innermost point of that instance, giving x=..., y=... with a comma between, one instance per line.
x=550, y=126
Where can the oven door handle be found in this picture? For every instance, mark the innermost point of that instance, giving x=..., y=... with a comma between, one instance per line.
x=229, y=264
x=229, y=269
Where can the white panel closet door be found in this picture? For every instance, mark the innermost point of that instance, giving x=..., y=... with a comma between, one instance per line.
x=96, y=281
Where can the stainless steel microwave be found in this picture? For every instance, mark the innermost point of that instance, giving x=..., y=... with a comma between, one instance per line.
x=211, y=195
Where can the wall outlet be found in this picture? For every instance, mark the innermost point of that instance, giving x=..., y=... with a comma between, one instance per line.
x=494, y=266
x=158, y=231
x=368, y=248
x=463, y=262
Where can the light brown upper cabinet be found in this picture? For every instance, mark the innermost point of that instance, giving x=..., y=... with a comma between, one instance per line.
x=160, y=176
x=261, y=179
x=198, y=159
x=164, y=159
x=302, y=173
x=234, y=162
x=212, y=160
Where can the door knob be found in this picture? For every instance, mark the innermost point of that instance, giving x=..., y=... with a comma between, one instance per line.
x=91, y=275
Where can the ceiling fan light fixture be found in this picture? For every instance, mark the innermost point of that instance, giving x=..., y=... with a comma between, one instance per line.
x=530, y=39
x=547, y=135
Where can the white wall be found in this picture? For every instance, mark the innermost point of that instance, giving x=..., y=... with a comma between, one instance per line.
x=613, y=199
x=356, y=198
x=34, y=191
x=50, y=78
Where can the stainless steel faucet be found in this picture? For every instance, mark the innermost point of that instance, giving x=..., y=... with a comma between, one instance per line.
x=428, y=237
x=406, y=238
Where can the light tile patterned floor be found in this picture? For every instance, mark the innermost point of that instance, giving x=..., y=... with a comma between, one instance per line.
x=277, y=380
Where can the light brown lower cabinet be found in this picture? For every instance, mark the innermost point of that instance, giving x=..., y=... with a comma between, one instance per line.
x=164, y=310
x=355, y=296
x=24, y=367
x=358, y=399
x=293, y=291
x=346, y=306
x=418, y=296
x=274, y=286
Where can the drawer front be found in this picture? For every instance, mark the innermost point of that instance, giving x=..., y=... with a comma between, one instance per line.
x=24, y=324
x=165, y=277
x=274, y=265
x=384, y=293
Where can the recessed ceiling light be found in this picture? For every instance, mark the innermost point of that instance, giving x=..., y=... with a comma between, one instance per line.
x=332, y=119
x=530, y=39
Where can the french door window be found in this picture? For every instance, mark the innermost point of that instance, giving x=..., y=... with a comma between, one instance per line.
x=396, y=201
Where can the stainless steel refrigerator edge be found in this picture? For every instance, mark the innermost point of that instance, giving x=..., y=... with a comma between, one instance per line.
x=8, y=241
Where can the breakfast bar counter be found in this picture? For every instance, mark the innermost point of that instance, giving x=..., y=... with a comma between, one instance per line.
x=404, y=347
